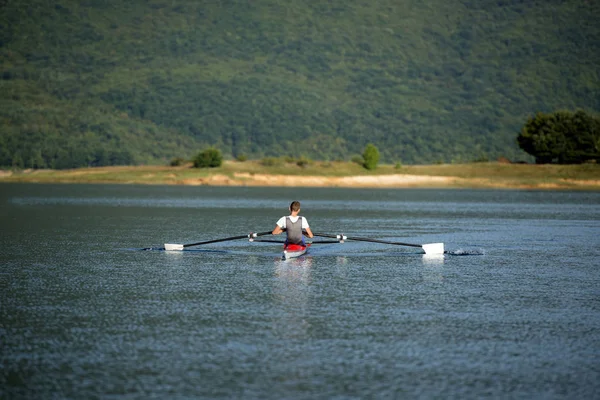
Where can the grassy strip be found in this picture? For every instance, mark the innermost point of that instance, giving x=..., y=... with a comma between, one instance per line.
x=475, y=175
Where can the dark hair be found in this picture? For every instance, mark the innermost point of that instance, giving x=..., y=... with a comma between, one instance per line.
x=295, y=206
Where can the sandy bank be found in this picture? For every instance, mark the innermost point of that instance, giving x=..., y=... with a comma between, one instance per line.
x=387, y=181
x=484, y=176
x=381, y=181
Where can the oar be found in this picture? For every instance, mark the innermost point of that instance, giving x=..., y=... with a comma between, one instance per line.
x=250, y=236
x=430, y=248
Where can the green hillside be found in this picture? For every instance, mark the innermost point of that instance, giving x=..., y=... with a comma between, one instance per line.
x=99, y=82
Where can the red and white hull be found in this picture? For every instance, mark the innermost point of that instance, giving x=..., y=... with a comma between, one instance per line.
x=294, y=250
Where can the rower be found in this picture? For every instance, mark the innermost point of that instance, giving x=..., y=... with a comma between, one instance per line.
x=294, y=225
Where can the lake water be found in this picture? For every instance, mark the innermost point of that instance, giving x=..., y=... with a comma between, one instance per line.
x=511, y=311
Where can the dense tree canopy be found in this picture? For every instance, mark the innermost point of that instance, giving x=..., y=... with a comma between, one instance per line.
x=144, y=81
x=563, y=137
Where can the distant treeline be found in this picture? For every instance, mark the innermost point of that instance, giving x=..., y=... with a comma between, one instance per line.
x=95, y=82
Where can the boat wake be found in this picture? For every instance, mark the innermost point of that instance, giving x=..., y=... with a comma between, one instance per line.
x=466, y=252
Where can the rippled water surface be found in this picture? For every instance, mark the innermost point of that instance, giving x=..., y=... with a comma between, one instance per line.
x=511, y=311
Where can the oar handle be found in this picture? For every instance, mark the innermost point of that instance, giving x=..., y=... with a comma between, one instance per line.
x=328, y=235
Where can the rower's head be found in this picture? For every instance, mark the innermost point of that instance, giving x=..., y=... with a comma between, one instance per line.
x=295, y=206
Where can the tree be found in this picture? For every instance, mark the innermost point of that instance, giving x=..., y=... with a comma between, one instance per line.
x=563, y=137
x=370, y=156
x=583, y=138
x=208, y=158
x=541, y=138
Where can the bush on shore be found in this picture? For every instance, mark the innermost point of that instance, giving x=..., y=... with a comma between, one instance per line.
x=208, y=158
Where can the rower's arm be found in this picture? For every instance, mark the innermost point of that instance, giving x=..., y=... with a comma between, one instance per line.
x=309, y=233
x=277, y=230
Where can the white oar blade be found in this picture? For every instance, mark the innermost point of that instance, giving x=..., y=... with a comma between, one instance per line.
x=173, y=247
x=433, y=248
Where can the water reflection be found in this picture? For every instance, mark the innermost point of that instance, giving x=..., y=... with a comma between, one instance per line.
x=433, y=259
x=174, y=255
x=341, y=260
x=295, y=269
x=433, y=267
x=291, y=294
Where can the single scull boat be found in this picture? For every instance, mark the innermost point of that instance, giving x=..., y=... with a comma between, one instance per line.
x=294, y=250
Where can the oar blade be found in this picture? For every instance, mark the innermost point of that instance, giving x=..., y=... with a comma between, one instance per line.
x=433, y=248
x=173, y=247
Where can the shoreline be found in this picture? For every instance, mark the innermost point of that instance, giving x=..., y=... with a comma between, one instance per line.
x=384, y=181
x=252, y=174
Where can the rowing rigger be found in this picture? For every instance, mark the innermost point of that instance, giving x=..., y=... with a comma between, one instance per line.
x=429, y=248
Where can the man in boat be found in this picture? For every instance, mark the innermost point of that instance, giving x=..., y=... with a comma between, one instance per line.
x=293, y=225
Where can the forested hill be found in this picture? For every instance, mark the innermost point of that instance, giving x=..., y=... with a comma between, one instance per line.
x=93, y=82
